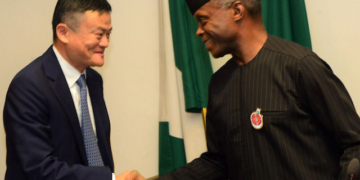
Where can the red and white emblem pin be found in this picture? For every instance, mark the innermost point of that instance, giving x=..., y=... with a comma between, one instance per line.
x=257, y=119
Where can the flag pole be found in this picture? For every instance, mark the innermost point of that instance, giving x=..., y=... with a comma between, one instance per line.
x=203, y=113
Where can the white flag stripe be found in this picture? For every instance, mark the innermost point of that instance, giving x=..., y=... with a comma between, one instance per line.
x=193, y=128
x=188, y=126
x=170, y=95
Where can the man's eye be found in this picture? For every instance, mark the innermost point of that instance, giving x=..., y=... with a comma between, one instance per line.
x=202, y=20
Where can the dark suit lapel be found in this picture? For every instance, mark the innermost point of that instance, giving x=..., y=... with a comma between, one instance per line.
x=61, y=90
x=95, y=96
x=100, y=114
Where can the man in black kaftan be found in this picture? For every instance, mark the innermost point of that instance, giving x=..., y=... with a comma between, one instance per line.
x=276, y=110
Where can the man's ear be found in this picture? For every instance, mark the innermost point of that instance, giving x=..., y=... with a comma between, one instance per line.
x=62, y=32
x=238, y=8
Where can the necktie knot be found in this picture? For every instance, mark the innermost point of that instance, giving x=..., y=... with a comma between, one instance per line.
x=81, y=81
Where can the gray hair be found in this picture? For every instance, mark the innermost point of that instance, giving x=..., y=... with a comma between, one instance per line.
x=253, y=6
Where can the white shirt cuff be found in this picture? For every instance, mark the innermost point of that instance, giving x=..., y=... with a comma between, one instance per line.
x=113, y=176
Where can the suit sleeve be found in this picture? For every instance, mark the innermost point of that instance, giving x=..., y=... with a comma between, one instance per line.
x=28, y=137
x=329, y=102
x=210, y=165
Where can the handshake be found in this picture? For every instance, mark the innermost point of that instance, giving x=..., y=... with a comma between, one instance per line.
x=130, y=175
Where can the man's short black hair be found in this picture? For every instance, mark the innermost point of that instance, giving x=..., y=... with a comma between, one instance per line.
x=66, y=10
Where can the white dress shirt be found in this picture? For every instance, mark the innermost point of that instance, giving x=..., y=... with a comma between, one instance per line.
x=71, y=76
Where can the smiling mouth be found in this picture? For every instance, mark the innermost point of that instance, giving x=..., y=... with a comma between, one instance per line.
x=207, y=42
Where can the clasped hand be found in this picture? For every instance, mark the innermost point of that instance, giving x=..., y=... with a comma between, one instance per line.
x=130, y=175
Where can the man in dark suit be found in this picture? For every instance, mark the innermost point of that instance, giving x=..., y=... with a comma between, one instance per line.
x=275, y=110
x=55, y=117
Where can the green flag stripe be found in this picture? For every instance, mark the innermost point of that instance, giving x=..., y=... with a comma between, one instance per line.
x=287, y=19
x=191, y=57
x=300, y=25
x=171, y=150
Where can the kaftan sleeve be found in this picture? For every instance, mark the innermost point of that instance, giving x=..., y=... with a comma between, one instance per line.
x=330, y=104
x=210, y=165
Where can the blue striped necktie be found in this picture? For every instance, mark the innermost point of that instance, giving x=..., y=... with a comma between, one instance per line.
x=91, y=146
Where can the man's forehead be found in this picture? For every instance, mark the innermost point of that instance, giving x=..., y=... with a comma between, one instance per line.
x=194, y=5
x=97, y=20
x=206, y=10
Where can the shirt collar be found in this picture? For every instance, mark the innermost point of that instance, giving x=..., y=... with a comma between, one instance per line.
x=71, y=74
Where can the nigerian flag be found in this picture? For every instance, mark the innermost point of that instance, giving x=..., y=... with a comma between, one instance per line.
x=185, y=74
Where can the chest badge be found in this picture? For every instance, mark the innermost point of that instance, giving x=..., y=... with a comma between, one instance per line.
x=257, y=119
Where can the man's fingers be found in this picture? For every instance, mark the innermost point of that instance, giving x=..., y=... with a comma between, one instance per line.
x=122, y=175
x=134, y=175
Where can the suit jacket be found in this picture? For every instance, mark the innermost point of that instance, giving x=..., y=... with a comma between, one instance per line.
x=43, y=134
x=310, y=127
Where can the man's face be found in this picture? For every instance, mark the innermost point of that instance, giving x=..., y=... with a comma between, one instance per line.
x=87, y=43
x=216, y=29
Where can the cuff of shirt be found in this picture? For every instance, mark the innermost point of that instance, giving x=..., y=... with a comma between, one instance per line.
x=113, y=176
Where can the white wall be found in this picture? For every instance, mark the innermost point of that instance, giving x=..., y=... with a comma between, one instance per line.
x=335, y=35
x=131, y=71
x=131, y=82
